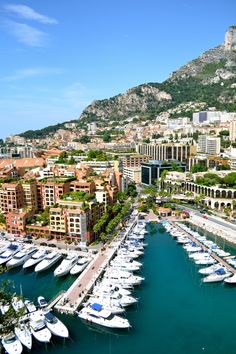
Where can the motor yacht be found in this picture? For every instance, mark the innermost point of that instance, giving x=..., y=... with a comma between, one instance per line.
x=123, y=277
x=55, y=325
x=80, y=265
x=11, y=344
x=24, y=335
x=114, y=297
x=36, y=258
x=211, y=269
x=66, y=265
x=39, y=330
x=206, y=261
x=126, y=266
x=48, y=261
x=11, y=250
x=18, y=304
x=96, y=314
x=107, y=287
x=107, y=303
x=30, y=306
x=42, y=302
x=20, y=257
x=230, y=280
x=218, y=275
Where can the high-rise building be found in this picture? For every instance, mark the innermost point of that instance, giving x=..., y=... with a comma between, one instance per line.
x=232, y=129
x=209, y=144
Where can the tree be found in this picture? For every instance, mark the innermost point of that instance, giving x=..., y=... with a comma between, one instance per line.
x=107, y=137
x=197, y=167
x=84, y=139
x=2, y=219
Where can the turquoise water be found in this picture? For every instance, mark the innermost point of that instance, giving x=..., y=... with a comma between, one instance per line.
x=176, y=313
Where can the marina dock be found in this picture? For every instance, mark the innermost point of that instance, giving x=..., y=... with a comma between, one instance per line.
x=205, y=248
x=73, y=298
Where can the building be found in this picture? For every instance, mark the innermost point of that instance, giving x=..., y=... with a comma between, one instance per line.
x=133, y=174
x=152, y=171
x=209, y=144
x=133, y=160
x=168, y=151
x=49, y=192
x=232, y=129
x=11, y=197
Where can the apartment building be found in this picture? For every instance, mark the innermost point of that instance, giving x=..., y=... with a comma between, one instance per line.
x=133, y=160
x=209, y=144
x=82, y=186
x=133, y=174
x=50, y=192
x=168, y=151
x=11, y=197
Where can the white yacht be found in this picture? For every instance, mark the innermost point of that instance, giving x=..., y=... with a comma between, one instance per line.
x=66, y=265
x=108, y=287
x=123, y=277
x=115, y=297
x=230, y=280
x=9, y=253
x=42, y=302
x=11, y=344
x=39, y=330
x=36, y=258
x=18, y=304
x=20, y=257
x=30, y=306
x=217, y=276
x=55, y=325
x=80, y=265
x=23, y=334
x=210, y=270
x=96, y=314
x=48, y=261
x=107, y=304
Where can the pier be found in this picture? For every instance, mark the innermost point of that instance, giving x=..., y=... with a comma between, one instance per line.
x=205, y=248
x=73, y=298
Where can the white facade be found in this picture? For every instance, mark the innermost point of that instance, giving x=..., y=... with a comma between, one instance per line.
x=232, y=130
x=209, y=144
x=133, y=173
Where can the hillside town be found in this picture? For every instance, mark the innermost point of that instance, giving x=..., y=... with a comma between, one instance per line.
x=60, y=187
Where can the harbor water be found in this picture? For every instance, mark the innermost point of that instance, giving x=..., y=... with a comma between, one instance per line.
x=176, y=313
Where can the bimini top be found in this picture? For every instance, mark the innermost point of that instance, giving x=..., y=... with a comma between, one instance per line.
x=220, y=271
x=96, y=306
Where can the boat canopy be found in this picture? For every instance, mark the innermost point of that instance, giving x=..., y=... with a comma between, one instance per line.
x=96, y=306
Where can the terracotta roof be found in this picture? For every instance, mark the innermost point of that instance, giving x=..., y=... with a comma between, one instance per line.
x=25, y=163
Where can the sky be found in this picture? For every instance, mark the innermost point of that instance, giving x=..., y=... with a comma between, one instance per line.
x=57, y=56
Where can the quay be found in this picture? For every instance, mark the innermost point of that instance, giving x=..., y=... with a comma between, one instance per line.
x=205, y=248
x=73, y=298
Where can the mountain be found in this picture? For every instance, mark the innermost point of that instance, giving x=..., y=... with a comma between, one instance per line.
x=208, y=81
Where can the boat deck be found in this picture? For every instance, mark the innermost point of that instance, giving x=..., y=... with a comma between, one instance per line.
x=205, y=248
x=76, y=294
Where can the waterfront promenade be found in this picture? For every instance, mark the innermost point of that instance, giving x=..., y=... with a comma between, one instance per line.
x=73, y=298
x=205, y=248
x=213, y=226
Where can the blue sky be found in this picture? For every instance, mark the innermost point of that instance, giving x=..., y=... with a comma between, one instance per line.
x=57, y=56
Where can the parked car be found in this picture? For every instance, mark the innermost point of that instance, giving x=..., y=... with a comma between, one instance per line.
x=52, y=245
x=43, y=244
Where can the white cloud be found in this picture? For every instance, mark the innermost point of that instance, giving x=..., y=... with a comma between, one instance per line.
x=32, y=72
x=27, y=34
x=28, y=13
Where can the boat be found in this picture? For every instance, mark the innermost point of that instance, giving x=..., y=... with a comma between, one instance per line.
x=42, y=302
x=79, y=266
x=66, y=265
x=30, y=306
x=40, y=331
x=23, y=334
x=107, y=304
x=55, y=325
x=211, y=269
x=48, y=261
x=96, y=314
x=217, y=276
x=108, y=287
x=20, y=257
x=18, y=304
x=230, y=280
x=36, y=258
x=9, y=253
x=114, y=297
x=11, y=344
